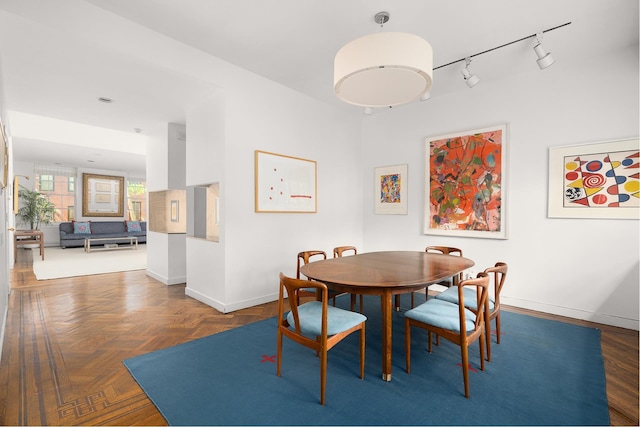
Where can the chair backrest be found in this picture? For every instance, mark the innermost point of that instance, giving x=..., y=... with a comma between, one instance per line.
x=481, y=283
x=338, y=251
x=499, y=275
x=444, y=250
x=293, y=287
x=304, y=258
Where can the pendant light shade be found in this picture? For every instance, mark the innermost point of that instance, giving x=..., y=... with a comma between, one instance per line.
x=383, y=70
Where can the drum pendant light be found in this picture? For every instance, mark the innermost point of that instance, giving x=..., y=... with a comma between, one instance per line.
x=383, y=69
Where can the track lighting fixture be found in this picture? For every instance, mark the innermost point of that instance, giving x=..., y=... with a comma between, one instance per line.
x=470, y=79
x=544, y=59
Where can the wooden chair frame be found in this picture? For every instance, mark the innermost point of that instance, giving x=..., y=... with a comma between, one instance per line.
x=337, y=253
x=499, y=272
x=462, y=338
x=321, y=344
x=446, y=250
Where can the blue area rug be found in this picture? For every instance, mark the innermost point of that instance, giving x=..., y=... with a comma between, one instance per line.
x=543, y=373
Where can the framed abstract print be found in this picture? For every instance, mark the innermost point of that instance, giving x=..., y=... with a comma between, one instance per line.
x=466, y=183
x=285, y=184
x=599, y=180
x=390, y=190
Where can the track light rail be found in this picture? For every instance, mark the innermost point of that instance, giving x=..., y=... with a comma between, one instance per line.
x=499, y=47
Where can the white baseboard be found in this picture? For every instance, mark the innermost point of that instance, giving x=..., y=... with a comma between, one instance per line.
x=167, y=280
x=573, y=313
x=4, y=324
x=228, y=308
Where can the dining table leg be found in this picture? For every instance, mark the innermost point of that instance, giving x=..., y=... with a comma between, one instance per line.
x=386, y=336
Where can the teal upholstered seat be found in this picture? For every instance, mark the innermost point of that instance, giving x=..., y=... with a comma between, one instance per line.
x=338, y=320
x=441, y=314
x=315, y=324
x=453, y=322
x=470, y=298
x=499, y=273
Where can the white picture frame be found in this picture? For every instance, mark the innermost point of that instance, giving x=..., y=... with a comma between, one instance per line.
x=466, y=182
x=597, y=181
x=391, y=190
x=285, y=184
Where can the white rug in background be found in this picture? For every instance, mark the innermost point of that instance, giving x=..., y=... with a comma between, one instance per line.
x=72, y=262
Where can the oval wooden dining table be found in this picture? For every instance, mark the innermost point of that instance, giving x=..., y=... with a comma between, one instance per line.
x=386, y=274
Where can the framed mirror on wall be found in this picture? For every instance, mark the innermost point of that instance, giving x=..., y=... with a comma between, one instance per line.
x=102, y=195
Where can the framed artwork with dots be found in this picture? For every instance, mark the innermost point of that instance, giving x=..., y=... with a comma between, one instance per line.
x=600, y=180
x=285, y=184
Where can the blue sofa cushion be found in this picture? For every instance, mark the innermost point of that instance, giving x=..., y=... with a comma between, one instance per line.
x=82, y=227
x=133, y=226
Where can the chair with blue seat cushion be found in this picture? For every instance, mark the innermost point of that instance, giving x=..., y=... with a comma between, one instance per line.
x=453, y=322
x=304, y=258
x=445, y=283
x=315, y=324
x=338, y=251
x=499, y=273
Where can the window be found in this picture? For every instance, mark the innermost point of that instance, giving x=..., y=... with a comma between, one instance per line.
x=136, y=196
x=58, y=183
x=46, y=183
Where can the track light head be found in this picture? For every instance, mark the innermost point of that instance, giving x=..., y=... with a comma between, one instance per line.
x=545, y=59
x=470, y=79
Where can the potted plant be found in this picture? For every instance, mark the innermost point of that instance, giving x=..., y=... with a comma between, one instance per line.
x=37, y=209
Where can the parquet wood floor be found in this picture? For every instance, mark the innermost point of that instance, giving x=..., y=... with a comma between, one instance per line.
x=65, y=340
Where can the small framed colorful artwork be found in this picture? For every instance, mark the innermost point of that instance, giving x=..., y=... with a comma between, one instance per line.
x=600, y=180
x=285, y=184
x=390, y=190
x=466, y=183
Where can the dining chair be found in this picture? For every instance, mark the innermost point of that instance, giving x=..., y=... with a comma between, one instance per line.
x=304, y=258
x=446, y=250
x=337, y=252
x=499, y=273
x=315, y=324
x=453, y=322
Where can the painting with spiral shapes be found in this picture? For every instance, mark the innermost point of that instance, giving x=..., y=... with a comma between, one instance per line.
x=466, y=184
x=595, y=180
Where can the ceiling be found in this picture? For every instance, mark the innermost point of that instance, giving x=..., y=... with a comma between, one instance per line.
x=58, y=57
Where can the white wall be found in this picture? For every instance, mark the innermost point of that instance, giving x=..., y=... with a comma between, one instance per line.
x=222, y=135
x=5, y=237
x=584, y=268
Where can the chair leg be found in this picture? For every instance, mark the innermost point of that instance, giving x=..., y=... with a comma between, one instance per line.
x=488, y=339
x=353, y=301
x=481, y=343
x=362, y=346
x=464, y=352
x=279, y=354
x=412, y=299
x=429, y=340
x=407, y=344
x=361, y=303
x=498, y=327
x=323, y=374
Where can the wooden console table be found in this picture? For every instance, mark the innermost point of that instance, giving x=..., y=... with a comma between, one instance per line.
x=27, y=237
